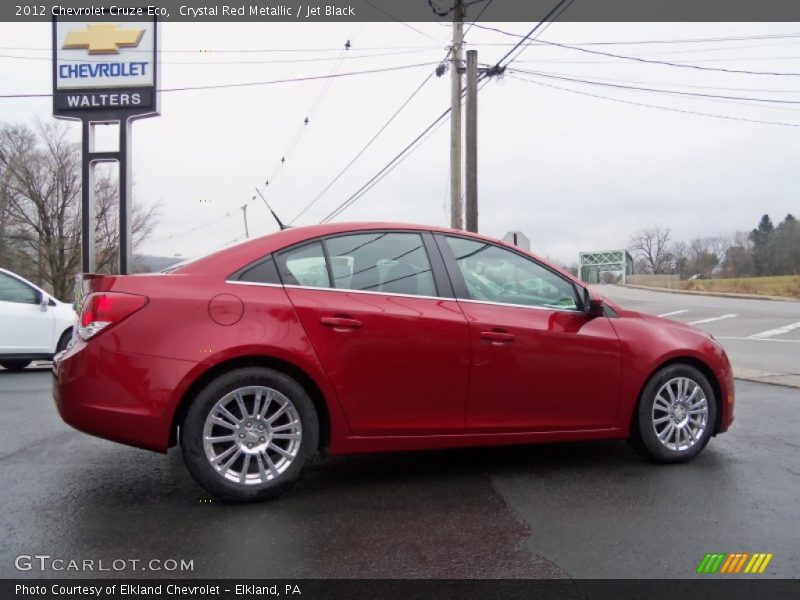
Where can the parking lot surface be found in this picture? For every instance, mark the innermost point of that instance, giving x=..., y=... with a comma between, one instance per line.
x=570, y=510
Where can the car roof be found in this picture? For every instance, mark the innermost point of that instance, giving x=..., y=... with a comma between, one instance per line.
x=231, y=259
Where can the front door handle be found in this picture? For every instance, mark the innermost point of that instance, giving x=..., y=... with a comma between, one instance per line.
x=341, y=323
x=497, y=336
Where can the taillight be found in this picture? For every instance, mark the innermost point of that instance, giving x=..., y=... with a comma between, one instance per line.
x=103, y=309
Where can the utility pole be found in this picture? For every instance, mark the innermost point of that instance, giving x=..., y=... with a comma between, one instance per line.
x=472, y=141
x=456, y=212
x=244, y=212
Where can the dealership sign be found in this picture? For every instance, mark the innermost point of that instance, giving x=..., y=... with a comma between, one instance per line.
x=104, y=67
x=105, y=72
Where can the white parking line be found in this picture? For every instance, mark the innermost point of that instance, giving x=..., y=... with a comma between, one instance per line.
x=755, y=339
x=777, y=331
x=710, y=319
x=674, y=312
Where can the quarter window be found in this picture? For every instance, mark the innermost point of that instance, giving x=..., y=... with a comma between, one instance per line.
x=304, y=266
x=13, y=290
x=264, y=271
x=494, y=274
x=392, y=263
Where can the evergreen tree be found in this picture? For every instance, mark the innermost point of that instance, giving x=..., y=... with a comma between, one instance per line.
x=763, y=239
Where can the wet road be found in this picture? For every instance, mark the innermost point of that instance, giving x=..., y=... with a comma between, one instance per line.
x=583, y=510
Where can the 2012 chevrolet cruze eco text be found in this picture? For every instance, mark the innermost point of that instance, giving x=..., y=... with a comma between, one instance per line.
x=377, y=337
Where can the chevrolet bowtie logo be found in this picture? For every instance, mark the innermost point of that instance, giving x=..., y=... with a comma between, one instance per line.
x=103, y=38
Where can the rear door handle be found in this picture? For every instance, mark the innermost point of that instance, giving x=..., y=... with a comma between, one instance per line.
x=340, y=323
x=497, y=337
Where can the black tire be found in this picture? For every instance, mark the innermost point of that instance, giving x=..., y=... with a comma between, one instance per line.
x=192, y=435
x=15, y=365
x=644, y=437
x=64, y=340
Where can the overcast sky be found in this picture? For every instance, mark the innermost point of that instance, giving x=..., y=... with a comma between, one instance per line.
x=573, y=172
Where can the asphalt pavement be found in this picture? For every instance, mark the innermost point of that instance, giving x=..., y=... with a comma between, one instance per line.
x=566, y=510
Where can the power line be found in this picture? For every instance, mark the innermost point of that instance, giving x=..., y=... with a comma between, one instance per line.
x=551, y=16
x=386, y=169
x=249, y=62
x=696, y=61
x=240, y=51
x=655, y=106
x=203, y=225
x=395, y=162
x=364, y=148
x=660, y=91
x=687, y=85
x=403, y=23
x=310, y=114
x=311, y=111
x=258, y=83
x=477, y=18
x=644, y=60
x=791, y=35
x=787, y=35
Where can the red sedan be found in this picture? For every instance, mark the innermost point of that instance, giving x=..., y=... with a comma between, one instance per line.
x=377, y=337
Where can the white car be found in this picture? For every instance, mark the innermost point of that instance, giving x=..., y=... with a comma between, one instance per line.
x=33, y=324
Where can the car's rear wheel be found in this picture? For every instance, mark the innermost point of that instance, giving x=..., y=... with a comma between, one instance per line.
x=249, y=434
x=676, y=415
x=14, y=365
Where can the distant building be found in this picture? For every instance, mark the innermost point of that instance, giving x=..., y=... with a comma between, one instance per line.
x=607, y=266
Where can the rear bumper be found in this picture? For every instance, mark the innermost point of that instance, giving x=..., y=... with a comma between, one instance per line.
x=126, y=398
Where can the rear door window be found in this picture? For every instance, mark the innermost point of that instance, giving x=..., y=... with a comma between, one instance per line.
x=387, y=262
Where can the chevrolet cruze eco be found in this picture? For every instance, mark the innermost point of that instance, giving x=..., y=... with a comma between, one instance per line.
x=377, y=337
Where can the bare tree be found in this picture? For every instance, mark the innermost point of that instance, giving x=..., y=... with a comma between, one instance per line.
x=651, y=247
x=703, y=256
x=40, y=184
x=680, y=255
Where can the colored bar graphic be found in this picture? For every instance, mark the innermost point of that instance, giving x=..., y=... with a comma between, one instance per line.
x=732, y=560
x=711, y=563
x=741, y=562
x=719, y=562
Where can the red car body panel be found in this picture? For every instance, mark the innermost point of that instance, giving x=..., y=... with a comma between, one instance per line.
x=415, y=351
x=417, y=373
x=560, y=371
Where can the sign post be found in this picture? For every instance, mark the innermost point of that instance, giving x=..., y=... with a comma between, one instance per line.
x=105, y=73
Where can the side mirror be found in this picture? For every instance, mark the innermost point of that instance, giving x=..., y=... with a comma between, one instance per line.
x=594, y=307
x=44, y=301
x=597, y=308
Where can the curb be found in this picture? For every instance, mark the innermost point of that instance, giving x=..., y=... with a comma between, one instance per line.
x=769, y=377
x=704, y=293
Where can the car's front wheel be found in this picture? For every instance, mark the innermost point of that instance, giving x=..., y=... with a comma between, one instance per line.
x=676, y=415
x=249, y=434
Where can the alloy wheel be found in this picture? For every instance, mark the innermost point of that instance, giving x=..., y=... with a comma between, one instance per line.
x=252, y=435
x=680, y=414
